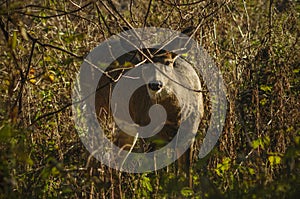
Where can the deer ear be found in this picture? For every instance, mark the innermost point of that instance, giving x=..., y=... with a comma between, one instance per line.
x=188, y=31
x=127, y=39
x=125, y=28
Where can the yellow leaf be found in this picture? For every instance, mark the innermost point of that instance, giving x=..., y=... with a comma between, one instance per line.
x=32, y=76
x=32, y=81
x=128, y=64
x=32, y=71
x=51, y=77
x=47, y=58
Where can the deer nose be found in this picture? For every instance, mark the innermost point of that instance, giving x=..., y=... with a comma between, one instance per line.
x=155, y=85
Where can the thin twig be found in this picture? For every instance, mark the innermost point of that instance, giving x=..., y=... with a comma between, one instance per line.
x=147, y=13
x=24, y=78
x=63, y=13
x=183, y=4
x=131, y=148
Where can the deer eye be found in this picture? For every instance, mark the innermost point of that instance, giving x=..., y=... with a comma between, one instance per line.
x=174, y=64
x=168, y=62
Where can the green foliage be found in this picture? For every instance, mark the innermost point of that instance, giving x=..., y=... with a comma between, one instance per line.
x=145, y=188
x=187, y=192
x=223, y=167
x=14, y=156
x=261, y=143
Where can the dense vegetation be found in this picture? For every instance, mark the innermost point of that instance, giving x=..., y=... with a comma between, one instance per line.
x=255, y=44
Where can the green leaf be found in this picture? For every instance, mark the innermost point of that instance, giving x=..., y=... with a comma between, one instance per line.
x=263, y=101
x=146, y=183
x=274, y=159
x=14, y=40
x=6, y=132
x=186, y=192
x=261, y=142
x=223, y=167
x=296, y=70
x=256, y=143
x=266, y=88
x=251, y=171
x=55, y=171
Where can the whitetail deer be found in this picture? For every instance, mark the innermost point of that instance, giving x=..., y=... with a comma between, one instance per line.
x=169, y=81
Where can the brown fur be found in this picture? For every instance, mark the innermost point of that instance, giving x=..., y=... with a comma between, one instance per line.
x=142, y=100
